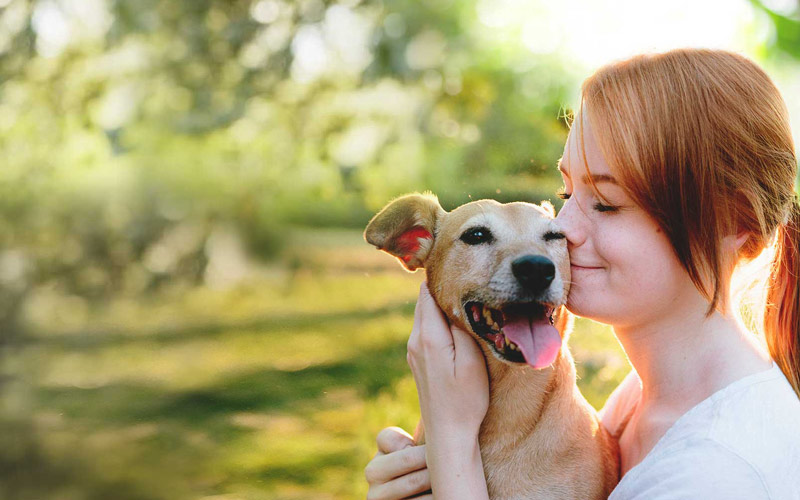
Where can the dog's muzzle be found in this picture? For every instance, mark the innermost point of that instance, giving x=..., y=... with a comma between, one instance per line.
x=517, y=332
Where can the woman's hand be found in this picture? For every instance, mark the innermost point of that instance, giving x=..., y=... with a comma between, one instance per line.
x=398, y=470
x=453, y=388
x=450, y=372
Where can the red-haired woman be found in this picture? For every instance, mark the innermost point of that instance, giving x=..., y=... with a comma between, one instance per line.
x=679, y=169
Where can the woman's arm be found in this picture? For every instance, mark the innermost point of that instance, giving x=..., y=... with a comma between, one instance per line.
x=453, y=387
x=457, y=471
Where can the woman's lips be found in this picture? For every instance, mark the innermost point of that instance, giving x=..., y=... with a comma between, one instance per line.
x=576, y=267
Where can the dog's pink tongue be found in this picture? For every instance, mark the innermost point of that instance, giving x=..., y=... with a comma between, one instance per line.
x=538, y=340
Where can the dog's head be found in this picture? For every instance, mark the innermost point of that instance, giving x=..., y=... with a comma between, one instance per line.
x=499, y=271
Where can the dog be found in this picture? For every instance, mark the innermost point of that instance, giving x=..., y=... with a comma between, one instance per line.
x=501, y=272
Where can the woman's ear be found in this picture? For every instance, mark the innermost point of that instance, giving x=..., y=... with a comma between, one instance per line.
x=735, y=243
x=741, y=239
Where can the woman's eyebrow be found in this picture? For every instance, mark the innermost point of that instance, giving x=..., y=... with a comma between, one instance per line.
x=596, y=178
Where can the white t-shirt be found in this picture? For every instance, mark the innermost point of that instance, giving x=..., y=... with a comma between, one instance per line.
x=742, y=442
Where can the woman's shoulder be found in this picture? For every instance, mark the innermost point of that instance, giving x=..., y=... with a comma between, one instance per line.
x=615, y=413
x=744, y=440
x=697, y=468
x=759, y=420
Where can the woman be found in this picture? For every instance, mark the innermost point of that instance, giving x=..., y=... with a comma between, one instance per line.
x=678, y=170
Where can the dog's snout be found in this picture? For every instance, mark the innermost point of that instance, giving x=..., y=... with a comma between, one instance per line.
x=534, y=272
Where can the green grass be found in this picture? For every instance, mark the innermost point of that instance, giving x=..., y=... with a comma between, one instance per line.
x=272, y=390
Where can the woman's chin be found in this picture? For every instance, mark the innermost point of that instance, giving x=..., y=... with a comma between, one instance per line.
x=587, y=309
x=576, y=306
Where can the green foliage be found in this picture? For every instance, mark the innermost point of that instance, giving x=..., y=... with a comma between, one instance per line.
x=787, y=29
x=151, y=126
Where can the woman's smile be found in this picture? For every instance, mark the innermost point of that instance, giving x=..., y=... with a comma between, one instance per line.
x=578, y=267
x=573, y=268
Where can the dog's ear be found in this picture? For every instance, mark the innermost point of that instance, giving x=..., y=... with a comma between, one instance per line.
x=548, y=207
x=406, y=228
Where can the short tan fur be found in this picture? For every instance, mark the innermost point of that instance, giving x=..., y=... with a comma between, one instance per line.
x=540, y=438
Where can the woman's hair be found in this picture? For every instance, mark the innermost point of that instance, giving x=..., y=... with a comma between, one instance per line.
x=701, y=141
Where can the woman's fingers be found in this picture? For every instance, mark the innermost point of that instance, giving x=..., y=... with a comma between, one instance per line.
x=431, y=329
x=402, y=487
x=399, y=469
x=467, y=353
x=413, y=339
x=433, y=332
x=385, y=468
x=393, y=439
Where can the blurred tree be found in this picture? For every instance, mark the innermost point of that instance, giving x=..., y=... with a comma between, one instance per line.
x=787, y=27
x=124, y=121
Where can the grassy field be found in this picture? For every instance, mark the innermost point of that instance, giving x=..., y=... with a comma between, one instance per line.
x=272, y=390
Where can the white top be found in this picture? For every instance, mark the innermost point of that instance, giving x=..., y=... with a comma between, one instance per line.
x=742, y=442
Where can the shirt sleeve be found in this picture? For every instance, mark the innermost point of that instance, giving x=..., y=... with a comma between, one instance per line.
x=702, y=469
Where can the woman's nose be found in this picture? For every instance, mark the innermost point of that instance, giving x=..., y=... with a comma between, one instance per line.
x=571, y=221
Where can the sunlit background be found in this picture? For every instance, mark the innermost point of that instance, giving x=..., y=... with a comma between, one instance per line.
x=187, y=307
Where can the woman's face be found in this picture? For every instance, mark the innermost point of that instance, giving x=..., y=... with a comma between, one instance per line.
x=624, y=270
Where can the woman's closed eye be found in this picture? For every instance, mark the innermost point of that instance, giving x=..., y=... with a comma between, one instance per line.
x=600, y=207
x=605, y=208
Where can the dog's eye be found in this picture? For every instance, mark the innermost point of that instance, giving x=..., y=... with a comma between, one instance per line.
x=552, y=235
x=476, y=236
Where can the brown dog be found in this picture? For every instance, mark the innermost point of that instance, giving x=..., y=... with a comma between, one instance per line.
x=501, y=272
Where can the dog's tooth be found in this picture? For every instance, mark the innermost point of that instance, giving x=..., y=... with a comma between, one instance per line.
x=487, y=315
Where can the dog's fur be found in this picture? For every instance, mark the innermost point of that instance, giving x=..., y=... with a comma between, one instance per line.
x=540, y=438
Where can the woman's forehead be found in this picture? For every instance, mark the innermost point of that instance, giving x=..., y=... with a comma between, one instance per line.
x=577, y=146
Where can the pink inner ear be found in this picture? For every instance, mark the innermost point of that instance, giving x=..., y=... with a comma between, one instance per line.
x=407, y=243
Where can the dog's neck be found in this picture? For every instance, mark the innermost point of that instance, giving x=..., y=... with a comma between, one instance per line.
x=529, y=392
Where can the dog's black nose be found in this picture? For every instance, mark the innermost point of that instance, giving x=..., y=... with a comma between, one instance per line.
x=534, y=272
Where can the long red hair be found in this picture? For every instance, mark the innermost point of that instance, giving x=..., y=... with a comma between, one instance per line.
x=702, y=142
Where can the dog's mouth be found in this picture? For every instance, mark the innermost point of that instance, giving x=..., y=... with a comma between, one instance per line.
x=517, y=332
